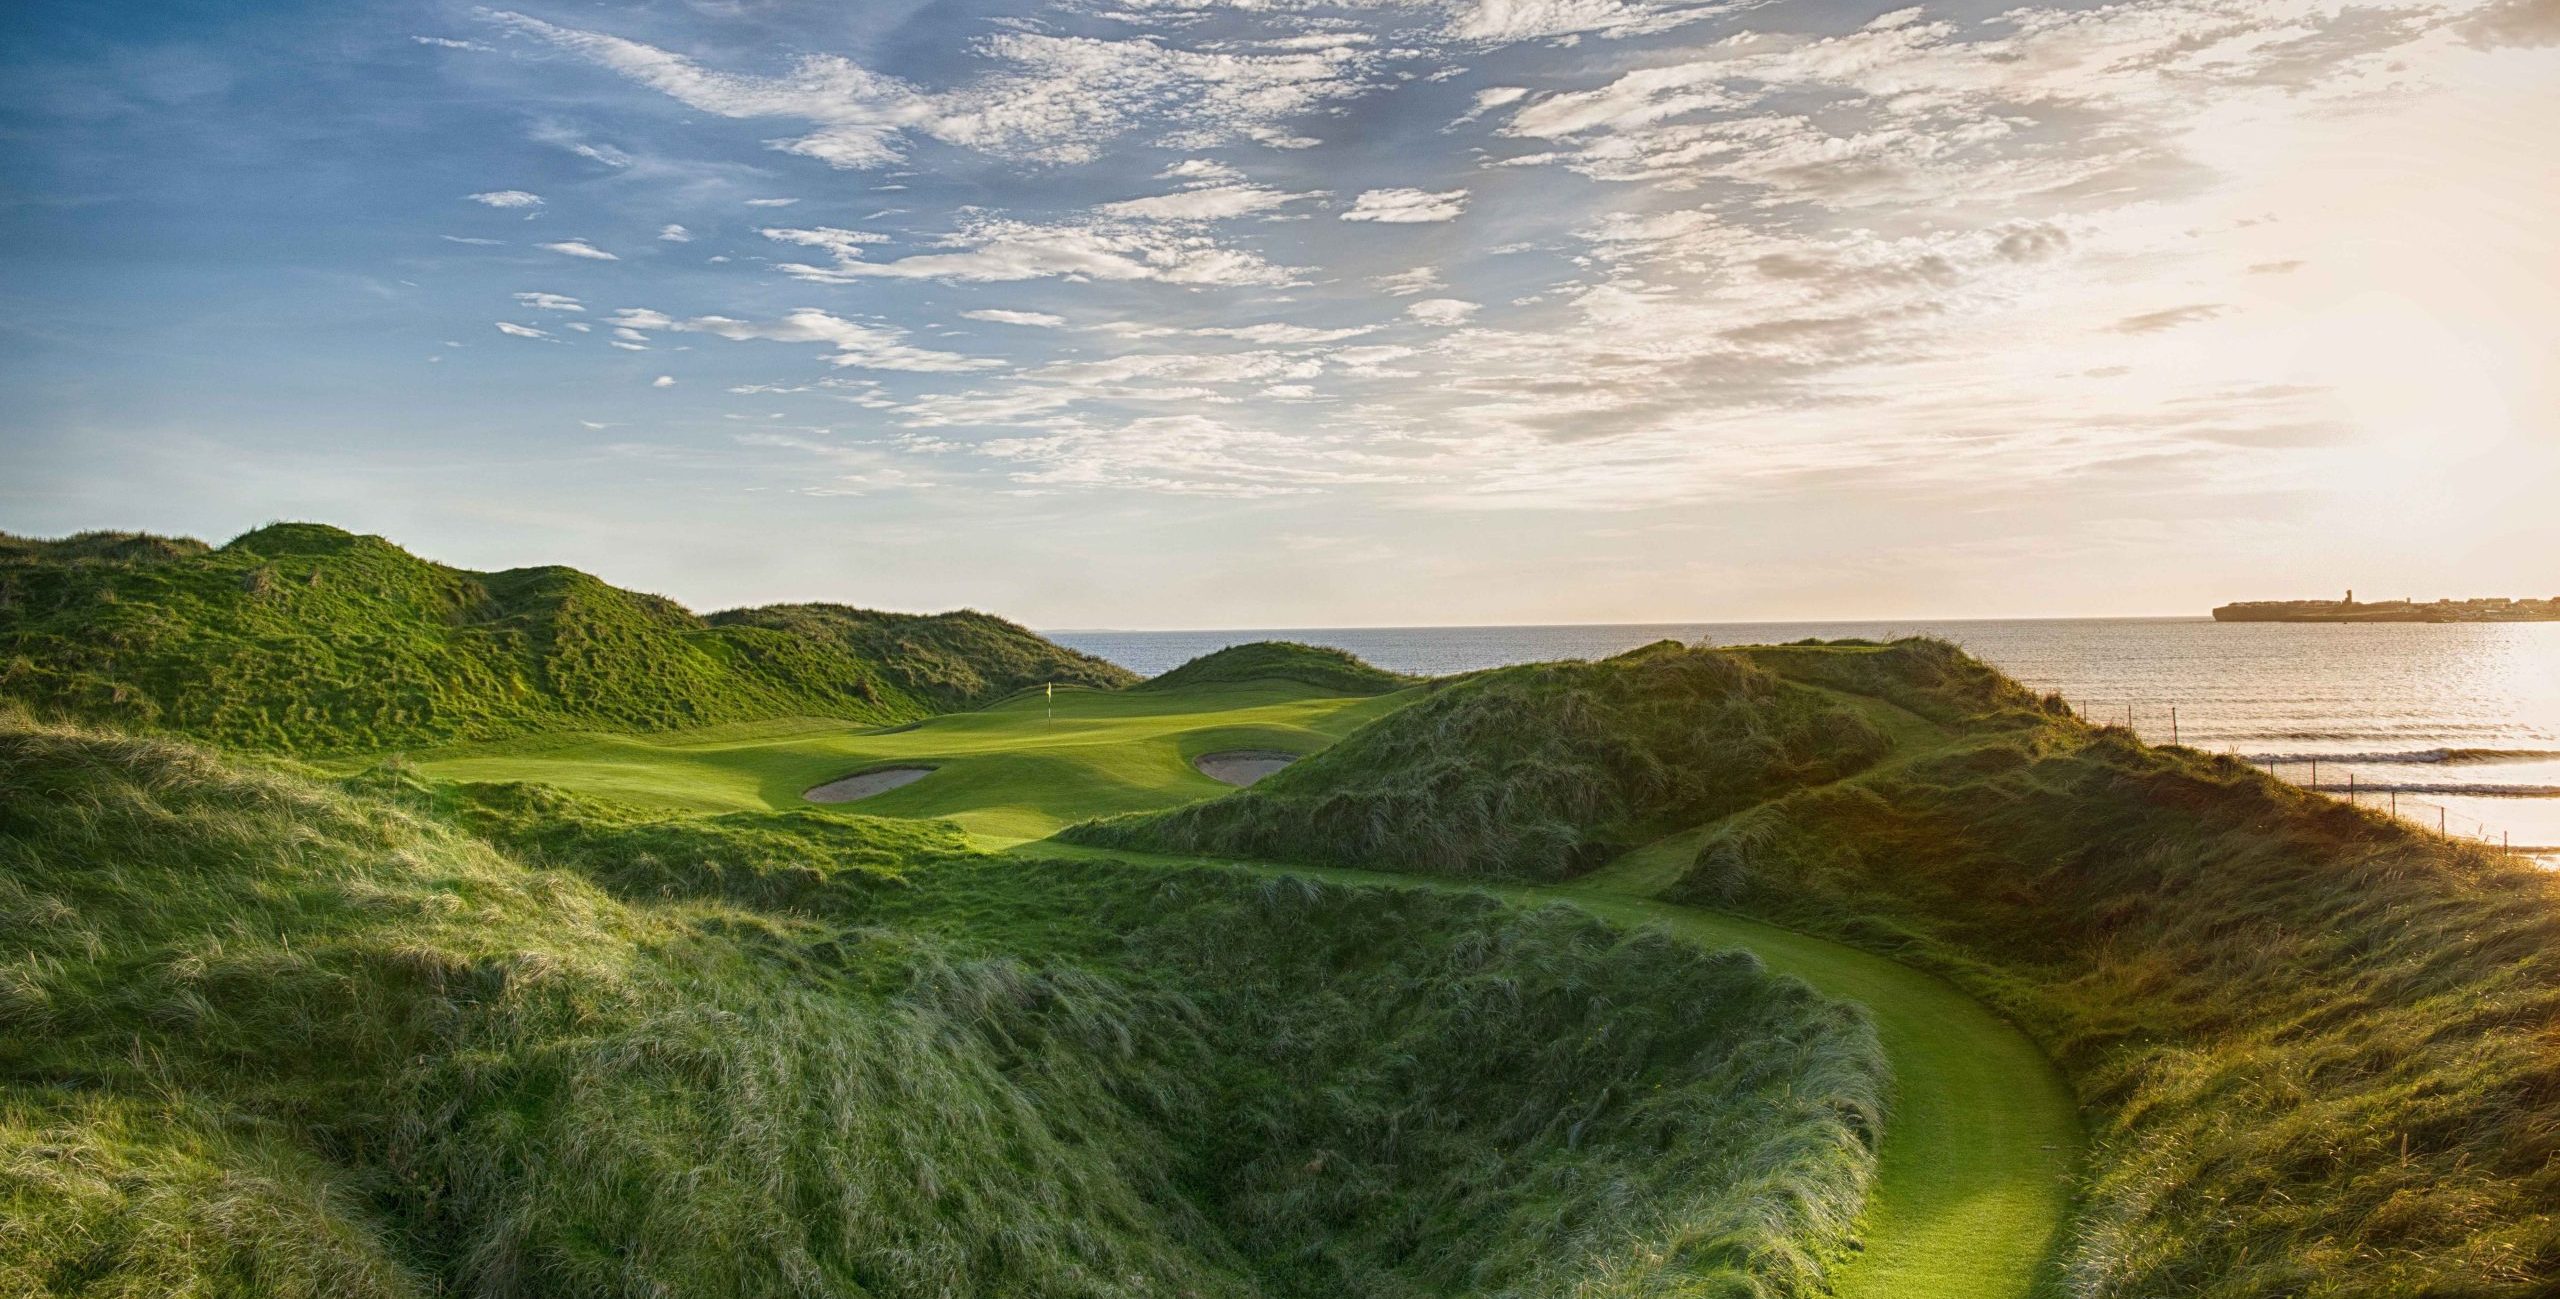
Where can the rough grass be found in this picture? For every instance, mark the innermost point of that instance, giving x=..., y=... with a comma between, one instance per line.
x=305, y=638
x=950, y=660
x=2318, y=1047
x=1535, y=772
x=1331, y=670
x=264, y=1036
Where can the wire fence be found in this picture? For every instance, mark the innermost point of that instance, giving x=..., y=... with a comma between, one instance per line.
x=2162, y=723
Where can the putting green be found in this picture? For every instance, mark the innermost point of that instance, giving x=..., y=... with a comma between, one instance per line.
x=1975, y=1170
x=1015, y=771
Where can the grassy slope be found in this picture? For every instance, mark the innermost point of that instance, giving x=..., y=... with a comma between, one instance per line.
x=1536, y=772
x=2317, y=1042
x=1330, y=670
x=270, y=1038
x=1009, y=772
x=303, y=637
x=1973, y=1186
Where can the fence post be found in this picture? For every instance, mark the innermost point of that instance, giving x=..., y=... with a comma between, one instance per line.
x=2173, y=723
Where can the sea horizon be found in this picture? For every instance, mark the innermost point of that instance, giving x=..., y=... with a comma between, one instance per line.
x=2452, y=724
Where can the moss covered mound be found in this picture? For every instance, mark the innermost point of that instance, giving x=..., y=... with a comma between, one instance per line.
x=299, y=636
x=270, y=1037
x=1334, y=671
x=1534, y=772
x=2318, y=1045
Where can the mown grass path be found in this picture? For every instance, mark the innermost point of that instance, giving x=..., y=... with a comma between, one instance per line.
x=1975, y=1170
x=1973, y=1179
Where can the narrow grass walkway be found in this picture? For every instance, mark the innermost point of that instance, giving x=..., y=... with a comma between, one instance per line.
x=1973, y=1179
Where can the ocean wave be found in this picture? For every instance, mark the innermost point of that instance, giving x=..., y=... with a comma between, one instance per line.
x=2425, y=757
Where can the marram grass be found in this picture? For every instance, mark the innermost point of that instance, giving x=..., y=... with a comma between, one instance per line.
x=1537, y=772
x=2317, y=1047
x=266, y=1036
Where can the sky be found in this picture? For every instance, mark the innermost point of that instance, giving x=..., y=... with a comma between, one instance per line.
x=1266, y=313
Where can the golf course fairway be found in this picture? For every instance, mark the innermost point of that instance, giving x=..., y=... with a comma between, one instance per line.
x=1975, y=1169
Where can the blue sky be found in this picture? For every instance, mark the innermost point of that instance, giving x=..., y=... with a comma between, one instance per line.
x=1261, y=312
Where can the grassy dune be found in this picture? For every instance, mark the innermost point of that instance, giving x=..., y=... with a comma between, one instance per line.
x=1330, y=670
x=1534, y=772
x=273, y=1037
x=305, y=638
x=2316, y=1043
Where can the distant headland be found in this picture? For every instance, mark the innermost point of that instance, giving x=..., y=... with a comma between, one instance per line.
x=2485, y=609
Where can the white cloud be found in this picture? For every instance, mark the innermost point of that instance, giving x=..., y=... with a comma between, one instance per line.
x=1201, y=171
x=475, y=242
x=663, y=381
x=675, y=234
x=1209, y=203
x=1421, y=279
x=771, y=202
x=857, y=345
x=550, y=302
x=580, y=248
x=992, y=251
x=1275, y=333
x=1401, y=206
x=507, y=198
x=1002, y=316
x=448, y=43
x=1047, y=98
x=513, y=330
x=1442, y=311
x=845, y=245
x=1522, y=20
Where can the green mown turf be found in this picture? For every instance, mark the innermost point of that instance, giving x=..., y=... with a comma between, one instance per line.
x=1015, y=771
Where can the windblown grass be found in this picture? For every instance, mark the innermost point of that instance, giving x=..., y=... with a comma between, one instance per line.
x=305, y=638
x=263, y=1036
x=1535, y=772
x=2318, y=1045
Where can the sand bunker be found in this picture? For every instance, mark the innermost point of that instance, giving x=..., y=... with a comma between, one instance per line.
x=865, y=784
x=1241, y=767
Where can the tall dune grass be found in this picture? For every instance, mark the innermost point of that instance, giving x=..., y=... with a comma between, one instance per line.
x=2318, y=1047
x=263, y=1036
x=1535, y=772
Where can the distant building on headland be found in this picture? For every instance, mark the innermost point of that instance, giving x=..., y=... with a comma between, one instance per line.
x=2496, y=608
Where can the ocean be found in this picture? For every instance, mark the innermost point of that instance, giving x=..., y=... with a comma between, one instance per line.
x=2452, y=724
